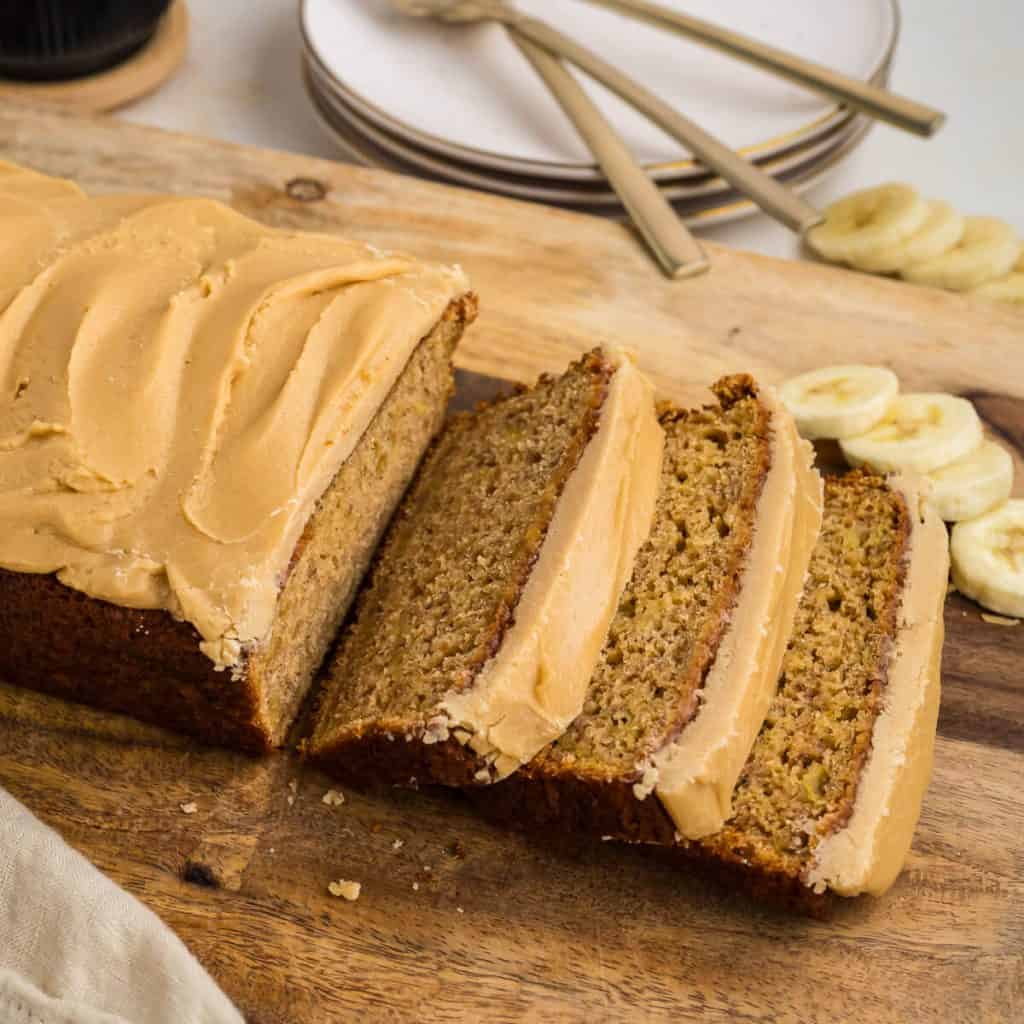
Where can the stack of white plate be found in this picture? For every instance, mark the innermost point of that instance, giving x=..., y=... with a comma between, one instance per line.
x=459, y=103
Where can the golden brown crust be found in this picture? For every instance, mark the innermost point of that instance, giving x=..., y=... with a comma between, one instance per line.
x=142, y=662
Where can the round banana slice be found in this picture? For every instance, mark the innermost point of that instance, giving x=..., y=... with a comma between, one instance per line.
x=1009, y=288
x=972, y=485
x=919, y=433
x=987, y=555
x=869, y=222
x=839, y=401
x=941, y=231
x=988, y=249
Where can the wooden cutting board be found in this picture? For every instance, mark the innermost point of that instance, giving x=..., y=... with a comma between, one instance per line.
x=459, y=921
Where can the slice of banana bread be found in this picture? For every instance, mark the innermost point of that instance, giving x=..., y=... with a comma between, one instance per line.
x=490, y=598
x=832, y=791
x=693, y=653
x=205, y=425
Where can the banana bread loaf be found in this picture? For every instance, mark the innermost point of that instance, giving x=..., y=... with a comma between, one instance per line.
x=205, y=425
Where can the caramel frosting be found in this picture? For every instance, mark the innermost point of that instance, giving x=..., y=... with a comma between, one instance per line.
x=178, y=386
x=534, y=686
x=695, y=775
x=866, y=855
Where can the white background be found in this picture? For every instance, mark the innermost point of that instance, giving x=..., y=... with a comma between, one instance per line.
x=241, y=82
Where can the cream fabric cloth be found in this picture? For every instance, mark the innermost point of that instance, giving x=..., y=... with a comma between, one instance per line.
x=77, y=949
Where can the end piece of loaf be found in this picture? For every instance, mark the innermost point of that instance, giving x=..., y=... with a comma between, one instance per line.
x=205, y=424
x=831, y=794
x=144, y=663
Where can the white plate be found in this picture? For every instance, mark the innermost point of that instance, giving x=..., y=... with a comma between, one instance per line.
x=350, y=123
x=704, y=212
x=465, y=90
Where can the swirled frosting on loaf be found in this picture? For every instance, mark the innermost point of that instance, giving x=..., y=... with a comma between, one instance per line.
x=179, y=384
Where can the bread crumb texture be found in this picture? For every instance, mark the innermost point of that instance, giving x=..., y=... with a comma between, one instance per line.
x=345, y=889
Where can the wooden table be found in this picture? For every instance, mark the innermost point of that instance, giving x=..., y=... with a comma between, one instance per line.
x=458, y=920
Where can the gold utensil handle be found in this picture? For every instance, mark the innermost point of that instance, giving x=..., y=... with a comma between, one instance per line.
x=675, y=248
x=878, y=103
x=772, y=196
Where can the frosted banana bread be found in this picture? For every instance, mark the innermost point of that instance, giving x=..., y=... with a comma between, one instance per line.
x=489, y=600
x=832, y=791
x=205, y=425
x=693, y=653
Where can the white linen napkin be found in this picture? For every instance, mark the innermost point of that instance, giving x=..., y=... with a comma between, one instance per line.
x=77, y=949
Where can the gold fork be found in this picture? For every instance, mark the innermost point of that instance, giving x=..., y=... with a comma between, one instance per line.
x=770, y=195
x=675, y=249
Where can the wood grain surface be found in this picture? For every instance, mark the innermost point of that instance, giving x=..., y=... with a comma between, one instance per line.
x=458, y=920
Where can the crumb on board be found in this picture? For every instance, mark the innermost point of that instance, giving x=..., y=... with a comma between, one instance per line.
x=398, y=844
x=999, y=620
x=346, y=889
x=190, y=808
x=333, y=798
x=415, y=886
x=459, y=910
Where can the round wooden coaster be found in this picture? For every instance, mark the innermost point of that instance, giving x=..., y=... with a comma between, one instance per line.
x=140, y=74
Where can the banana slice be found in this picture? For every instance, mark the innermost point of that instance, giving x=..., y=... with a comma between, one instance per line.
x=941, y=231
x=972, y=485
x=988, y=249
x=988, y=558
x=869, y=222
x=919, y=433
x=839, y=401
x=1009, y=288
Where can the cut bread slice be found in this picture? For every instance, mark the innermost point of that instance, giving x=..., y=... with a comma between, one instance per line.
x=831, y=794
x=490, y=598
x=694, y=651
